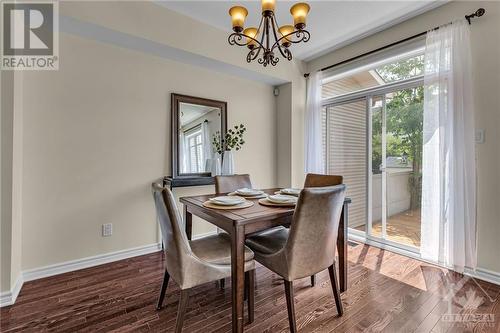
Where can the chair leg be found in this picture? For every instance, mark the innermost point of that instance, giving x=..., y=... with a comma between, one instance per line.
x=313, y=280
x=246, y=286
x=290, y=305
x=335, y=288
x=164, y=285
x=222, y=284
x=251, y=295
x=183, y=302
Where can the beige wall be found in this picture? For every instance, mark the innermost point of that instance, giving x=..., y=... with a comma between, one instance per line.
x=96, y=133
x=7, y=105
x=284, y=135
x=11, y=177
x=486, y=71
x=87, y=140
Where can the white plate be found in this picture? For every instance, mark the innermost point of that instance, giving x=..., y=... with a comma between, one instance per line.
x=248, y=192
x=227, y=201
x=281, y=198
x=291, y=191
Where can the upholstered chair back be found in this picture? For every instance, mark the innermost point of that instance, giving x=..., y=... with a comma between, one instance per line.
x=312, y=240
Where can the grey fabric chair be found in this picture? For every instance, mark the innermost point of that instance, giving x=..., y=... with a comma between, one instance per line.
x=226, y=184
x=308, y=247
x=318, y=180
x=192, y=263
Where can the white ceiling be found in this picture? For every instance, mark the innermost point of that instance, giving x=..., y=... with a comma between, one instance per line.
x=190, y=112
x=332, y=24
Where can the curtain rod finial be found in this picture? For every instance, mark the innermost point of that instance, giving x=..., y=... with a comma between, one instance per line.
x=478, y=13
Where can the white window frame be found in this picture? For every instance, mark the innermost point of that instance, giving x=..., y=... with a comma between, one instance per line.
x=192, y=134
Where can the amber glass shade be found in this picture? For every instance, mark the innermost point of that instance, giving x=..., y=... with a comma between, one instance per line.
x=268, y=5
x=285, y=30
x=238, y=15
x=251, y=32
x=299, y=12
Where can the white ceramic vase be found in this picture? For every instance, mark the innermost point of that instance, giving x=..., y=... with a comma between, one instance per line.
x=216, y=168
x=228, y=163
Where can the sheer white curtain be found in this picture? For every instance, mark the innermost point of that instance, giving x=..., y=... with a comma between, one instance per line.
x=449, y=174
x=183, y=151
x=314, y=162
x=207, y=146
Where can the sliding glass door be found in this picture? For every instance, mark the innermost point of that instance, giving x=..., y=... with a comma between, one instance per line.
x=372, y=135
x=395, y=171
x=375, y=143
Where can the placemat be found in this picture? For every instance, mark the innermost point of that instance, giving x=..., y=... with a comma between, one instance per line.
x=245, y=204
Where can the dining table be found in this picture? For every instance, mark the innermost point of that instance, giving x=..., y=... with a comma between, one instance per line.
x=240, y=223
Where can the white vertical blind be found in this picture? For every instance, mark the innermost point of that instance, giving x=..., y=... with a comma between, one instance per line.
x=345, y=145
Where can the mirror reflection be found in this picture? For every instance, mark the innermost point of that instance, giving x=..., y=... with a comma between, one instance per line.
x=197, y=125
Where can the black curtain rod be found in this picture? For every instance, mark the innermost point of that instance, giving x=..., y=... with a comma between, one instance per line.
x=478, y=13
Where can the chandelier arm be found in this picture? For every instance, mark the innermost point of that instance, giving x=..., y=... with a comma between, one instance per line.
x=268, y=39
x=276, y=43
x=303, y=36
x=253, y=54
x=261, y=43
x=260, y=24
x=274, y=61
x=236, y=39
x=288, y=54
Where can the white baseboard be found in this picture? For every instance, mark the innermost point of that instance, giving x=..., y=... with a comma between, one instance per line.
x=9, y=297
x=484, y=274
x=74, y=265
x=206, y=234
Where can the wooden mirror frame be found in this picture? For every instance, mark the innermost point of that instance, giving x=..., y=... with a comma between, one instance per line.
x=190, y=179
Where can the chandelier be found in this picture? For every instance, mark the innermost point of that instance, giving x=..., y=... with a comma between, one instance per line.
x=269, y=38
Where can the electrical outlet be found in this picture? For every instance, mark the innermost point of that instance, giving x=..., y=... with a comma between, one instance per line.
x=107, y=229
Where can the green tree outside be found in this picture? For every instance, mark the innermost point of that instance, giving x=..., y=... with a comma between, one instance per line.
x=404, y=113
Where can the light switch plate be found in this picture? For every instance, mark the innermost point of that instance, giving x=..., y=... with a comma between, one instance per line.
x=479, y=135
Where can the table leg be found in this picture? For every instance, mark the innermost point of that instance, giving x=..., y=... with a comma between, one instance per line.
x=237, y=276
x=188, y=220
x=342, y=248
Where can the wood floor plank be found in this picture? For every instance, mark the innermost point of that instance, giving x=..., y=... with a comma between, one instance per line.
x=387, y=293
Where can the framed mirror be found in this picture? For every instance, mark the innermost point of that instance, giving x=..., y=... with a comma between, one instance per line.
x=195, y=121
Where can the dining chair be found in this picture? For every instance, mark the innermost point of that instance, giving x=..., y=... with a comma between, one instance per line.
x=312, y=234
x=195, y=262
x=318, y=180
x=226, y=184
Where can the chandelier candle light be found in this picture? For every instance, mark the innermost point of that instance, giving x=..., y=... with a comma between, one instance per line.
x=258, y=40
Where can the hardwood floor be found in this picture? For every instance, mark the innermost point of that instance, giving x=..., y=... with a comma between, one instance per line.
x=387, y=292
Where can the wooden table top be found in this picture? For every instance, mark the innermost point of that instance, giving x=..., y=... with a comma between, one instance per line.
x=257, y=212
x=242, y=215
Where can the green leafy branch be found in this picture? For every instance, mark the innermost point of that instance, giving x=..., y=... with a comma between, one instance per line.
x=233, y=139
